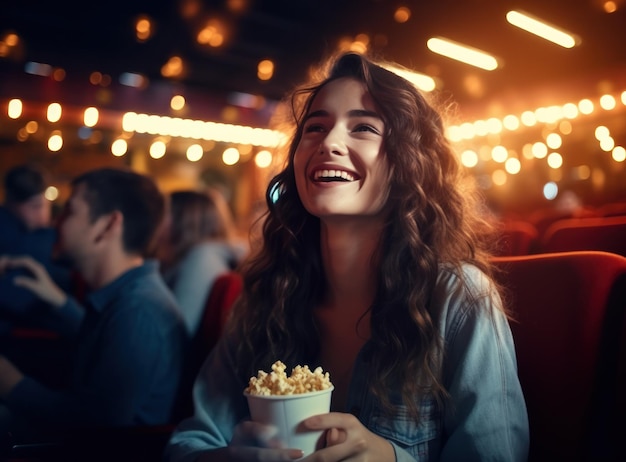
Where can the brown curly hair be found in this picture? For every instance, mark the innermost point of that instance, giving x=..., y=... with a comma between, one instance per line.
x=434, y=219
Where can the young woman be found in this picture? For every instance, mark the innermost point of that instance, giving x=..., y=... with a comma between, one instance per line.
x=371, y=267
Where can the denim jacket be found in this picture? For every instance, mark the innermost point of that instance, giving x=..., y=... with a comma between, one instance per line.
x=483, y=419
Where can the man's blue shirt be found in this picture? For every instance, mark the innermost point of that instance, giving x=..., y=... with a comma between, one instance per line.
x=131, y=342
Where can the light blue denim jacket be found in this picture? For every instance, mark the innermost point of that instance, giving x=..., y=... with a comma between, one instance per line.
x=484, y=418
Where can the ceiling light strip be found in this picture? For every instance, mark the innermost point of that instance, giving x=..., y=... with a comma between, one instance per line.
x=541, y=29
x=462, y=53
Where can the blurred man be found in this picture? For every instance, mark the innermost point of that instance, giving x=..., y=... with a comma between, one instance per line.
x=130, y=336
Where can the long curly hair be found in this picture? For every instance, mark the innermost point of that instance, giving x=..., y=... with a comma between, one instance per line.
x=434, y=220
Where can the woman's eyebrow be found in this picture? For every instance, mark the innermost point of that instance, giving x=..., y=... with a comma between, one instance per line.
x=352, y=113
x=363, y=113
x=319, y=113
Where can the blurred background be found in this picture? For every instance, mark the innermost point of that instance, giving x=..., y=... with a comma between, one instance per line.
x=186, y=90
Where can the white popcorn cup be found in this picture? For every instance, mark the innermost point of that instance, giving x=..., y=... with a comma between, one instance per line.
x=286, y=412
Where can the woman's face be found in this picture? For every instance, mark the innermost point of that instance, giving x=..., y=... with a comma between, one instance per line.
x=341, y=169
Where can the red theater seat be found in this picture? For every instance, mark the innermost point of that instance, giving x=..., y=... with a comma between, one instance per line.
x=562, y=305
x=605, y=233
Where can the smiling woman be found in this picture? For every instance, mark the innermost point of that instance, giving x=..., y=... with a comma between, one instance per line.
x=372, y=268
x=340, y=165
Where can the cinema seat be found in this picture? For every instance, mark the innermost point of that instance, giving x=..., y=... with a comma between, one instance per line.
x=563, y=307
x=605, y=233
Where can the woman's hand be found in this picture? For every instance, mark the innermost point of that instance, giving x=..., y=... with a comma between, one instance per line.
x=348, y=440
x=253, y=441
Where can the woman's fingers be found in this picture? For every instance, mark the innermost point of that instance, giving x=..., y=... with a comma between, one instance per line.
x=330, y=420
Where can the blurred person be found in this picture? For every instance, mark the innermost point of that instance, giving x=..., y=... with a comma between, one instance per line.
x=129, y=336
x=25, y=224
x=371, y=268
x=24, y=190
x=197, y=245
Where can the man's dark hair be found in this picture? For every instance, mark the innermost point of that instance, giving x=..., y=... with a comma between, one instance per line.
x=23, y=182
x=136, y=196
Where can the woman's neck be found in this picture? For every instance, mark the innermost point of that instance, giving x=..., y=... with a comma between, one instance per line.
x=347, y=254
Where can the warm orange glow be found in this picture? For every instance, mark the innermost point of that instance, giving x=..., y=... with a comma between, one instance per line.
x=565, y=127
x=11, y=39
x=31, y=127
x=90, y=117
x=511, y=122
x=609, y=7
x=58, y=74
x=263, y=159
x=173, y=67
x=555, y=160
x=237, y=6
x=143, y=28
x=540, y=150
x=554, y=141
x=54, y=112
x=119, y=147
x=15, y=108
x=528, y=118
x=157, y=149
x=265, y=69
x=213, y=34
x=513, y=165
x=55, y=142
x=585, y=106
x=601, y=132
x=51, y=193
x=402, y=14
x=499, y=177
x=194, y=153
x=499, y=154
x=469, y=158
x=177, y=102
x=607, y=102
x=607, y=144
x=527, y=151
x=95, y=78
x=230, y=156
x=618, y=154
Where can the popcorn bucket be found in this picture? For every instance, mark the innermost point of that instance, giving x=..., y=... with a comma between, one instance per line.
x=285, y=412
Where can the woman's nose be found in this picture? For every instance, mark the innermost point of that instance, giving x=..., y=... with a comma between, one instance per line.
x=333, y=143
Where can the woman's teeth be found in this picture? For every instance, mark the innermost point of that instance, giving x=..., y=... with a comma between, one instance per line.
x=332, y=175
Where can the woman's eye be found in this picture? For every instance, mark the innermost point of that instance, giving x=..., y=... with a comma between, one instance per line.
x=313, y=128
x=365, y=128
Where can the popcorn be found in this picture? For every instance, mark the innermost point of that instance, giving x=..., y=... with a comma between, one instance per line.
x=301, y=380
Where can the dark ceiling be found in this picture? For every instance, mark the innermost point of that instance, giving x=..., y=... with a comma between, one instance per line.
x=86, y=36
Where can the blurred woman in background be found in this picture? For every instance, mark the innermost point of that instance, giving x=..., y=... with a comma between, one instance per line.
x=198, y=245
